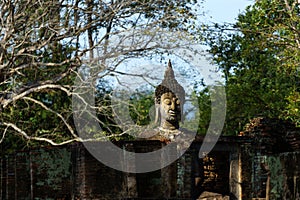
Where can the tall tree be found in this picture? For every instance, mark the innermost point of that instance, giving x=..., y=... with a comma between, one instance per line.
x=259, y=56
x=45, y=45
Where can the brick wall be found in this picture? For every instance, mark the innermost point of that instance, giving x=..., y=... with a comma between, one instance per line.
x=71, y=172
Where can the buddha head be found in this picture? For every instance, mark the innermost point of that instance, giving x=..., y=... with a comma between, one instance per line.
x=169, y=100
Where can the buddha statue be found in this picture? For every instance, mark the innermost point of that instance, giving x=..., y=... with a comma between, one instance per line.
x=169, y=101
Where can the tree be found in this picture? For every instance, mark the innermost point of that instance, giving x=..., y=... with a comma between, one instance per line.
x=46, y=45
x=259, y=56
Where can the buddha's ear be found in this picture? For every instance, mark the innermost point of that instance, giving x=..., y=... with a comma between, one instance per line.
x=157, y=113
x=181, y=115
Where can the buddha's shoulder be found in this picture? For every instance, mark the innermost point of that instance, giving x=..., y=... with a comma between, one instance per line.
x=154, y=134
x=166, y=135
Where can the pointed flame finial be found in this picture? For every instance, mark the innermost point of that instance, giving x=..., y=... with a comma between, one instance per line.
x=169, y=64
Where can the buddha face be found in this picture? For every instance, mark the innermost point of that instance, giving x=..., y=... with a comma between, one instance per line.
x=170, y=108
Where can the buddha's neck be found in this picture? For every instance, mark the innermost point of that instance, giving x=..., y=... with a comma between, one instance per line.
x=169, y=126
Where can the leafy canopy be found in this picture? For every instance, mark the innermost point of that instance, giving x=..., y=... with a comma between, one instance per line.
x=260, y=56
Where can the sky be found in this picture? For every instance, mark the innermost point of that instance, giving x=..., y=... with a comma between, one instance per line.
x=216, y=11
x=224, y=10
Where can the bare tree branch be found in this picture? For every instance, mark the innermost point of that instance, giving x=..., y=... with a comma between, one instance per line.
x=46, y=45
x=6, y=102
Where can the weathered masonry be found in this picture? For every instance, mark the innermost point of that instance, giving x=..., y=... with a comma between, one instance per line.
x=262, y=164
x=72, y=172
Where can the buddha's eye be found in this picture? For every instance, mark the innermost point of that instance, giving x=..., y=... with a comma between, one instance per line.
x=167, y=101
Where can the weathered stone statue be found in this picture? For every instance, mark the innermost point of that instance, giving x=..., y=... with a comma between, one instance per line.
x=169, y=101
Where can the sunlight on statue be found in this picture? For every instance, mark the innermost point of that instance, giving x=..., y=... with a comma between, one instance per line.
x=170, y=111
x=169, y=101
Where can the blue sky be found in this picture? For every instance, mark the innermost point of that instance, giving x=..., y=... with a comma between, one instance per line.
x=224, y=10
x=216, y=11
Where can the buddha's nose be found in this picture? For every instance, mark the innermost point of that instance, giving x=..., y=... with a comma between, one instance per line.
x=173, y=105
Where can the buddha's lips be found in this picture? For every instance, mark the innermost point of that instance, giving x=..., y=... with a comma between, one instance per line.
x=172, y=113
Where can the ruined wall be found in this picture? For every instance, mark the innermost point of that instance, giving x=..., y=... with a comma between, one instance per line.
x=71, y=172
x=289, y=165
x=36, y=175
x=271, y=159
x=284, y=172
x=93, y=180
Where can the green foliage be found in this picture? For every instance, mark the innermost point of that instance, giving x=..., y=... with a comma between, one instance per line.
x=260, y=63
x=140, y=107
x=45, y=43
x=200, y=122
x=54, y=167
x=176, y=15
x=105, y=115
